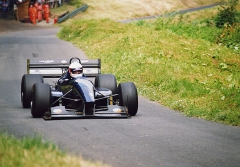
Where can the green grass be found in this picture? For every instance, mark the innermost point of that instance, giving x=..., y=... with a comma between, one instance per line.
x=29, y=152
x=177, y=65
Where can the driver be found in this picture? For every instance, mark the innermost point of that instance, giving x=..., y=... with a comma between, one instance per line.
x=75, y=70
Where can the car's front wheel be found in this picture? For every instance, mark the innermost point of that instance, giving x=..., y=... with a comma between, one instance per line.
x=40, y=100
x=128, y=97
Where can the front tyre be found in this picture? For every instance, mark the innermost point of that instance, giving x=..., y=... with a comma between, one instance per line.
x=28, y=80
x=128, y=97
x=41, y=99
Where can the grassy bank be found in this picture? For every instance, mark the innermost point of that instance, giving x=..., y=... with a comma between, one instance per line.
x=176, y=64
x=29, y=152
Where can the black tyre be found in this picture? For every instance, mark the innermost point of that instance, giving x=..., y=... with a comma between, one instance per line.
x=107, y=81
x=41, y=99
x=128, y=97
x=28, y=80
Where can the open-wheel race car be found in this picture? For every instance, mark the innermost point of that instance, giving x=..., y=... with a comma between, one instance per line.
x=90, y=95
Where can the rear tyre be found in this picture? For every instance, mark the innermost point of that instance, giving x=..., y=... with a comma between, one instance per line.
x=28, y=80
x=128, y=97
x=107, y=81
x=41, y=99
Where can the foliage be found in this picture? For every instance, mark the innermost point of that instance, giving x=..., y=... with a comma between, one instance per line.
x=228, y=19
x=205, y=29
x=230, y=37
x=227, y=14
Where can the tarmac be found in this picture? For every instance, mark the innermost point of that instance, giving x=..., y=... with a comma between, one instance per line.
x=9, y=24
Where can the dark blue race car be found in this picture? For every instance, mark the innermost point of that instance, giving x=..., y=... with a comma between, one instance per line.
x=92, y=95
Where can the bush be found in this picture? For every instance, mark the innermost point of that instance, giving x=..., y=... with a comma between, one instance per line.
x=227, y=14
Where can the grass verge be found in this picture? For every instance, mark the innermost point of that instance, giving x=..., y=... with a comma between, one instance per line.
x=29, y=152
x=177, y=65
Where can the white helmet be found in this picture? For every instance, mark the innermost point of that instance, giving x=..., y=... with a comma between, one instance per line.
x=75, y=69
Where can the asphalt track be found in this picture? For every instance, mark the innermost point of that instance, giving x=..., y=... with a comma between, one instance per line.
x=156, y=136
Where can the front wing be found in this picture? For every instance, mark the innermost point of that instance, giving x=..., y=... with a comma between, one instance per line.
x=60, y=112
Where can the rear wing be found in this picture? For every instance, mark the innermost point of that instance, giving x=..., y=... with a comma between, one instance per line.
x=53, y=68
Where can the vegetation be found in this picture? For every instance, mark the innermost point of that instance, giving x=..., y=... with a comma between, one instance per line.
x=29, y=152
x=228, y=18
x=227, y=14
x=178, y=62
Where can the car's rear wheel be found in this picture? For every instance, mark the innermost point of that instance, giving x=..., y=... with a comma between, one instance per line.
x=41, y=99
x=107, y=81
x=28, y=80
x=128, y=97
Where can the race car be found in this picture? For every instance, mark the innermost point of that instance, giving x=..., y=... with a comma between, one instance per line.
x=95, y=95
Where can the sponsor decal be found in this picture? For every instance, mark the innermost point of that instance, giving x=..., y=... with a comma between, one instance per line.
x=84, y=61
x=57, y=111
x=46, y=61
x=90, y=71
x=37, y=71
x=63, y=61
x=117, y=110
